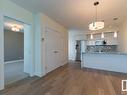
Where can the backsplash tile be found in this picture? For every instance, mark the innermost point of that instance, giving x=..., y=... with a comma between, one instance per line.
x=101, y=48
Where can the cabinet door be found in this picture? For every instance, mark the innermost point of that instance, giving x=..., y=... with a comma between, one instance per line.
x=109, y=37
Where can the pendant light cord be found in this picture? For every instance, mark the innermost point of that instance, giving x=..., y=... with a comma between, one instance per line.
x=95, y=5
x=96, y=13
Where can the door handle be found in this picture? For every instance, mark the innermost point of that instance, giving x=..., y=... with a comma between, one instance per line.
x=55, y=51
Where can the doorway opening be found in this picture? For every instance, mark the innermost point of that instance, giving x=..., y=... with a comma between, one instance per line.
x=80, y=49
x=13, y=51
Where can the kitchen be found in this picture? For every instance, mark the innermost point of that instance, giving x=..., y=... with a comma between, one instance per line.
x=102, y=52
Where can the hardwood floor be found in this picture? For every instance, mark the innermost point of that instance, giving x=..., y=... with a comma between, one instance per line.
x=70, y=80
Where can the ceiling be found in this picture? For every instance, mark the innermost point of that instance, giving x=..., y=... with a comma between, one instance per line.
x=77, y=14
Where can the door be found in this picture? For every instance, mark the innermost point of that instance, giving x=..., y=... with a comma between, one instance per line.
x=53, y=50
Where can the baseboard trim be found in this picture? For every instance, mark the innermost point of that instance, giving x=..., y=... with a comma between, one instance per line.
x=14, y=61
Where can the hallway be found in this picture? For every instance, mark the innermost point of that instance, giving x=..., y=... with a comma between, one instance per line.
x=70, y=80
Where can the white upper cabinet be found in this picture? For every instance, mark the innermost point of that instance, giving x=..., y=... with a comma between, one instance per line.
x=108, y=37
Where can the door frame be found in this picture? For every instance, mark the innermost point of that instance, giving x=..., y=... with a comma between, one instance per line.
x=29, y=53
x=1, y=51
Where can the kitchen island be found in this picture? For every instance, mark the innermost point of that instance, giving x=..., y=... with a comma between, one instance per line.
x=116, y=62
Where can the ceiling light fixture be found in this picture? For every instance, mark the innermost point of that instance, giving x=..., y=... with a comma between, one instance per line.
x=15, y=29
x=102, y=35
x=91, y=36
x=115, y=34
x=96, y=25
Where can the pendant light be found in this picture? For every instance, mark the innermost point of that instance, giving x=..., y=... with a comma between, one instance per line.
x=102, y=35
x=91, y=36
x=115, y=34
x=96, y=25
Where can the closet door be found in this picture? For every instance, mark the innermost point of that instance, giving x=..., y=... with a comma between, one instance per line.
x=52, y=50
x=59, y=51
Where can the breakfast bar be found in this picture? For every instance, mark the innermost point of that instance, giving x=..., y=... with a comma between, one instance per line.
x=116, y=62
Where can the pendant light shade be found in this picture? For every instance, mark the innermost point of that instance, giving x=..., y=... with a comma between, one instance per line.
x=102, y=35
x=115, y=34
x=91, y=36
x=96, y=25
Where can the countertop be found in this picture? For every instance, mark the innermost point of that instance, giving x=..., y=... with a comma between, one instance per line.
x=117, y=53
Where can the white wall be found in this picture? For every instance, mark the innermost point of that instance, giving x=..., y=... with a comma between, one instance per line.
x=10, y=9
x=73, y=36
x=123, y=37
x=43, y=21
